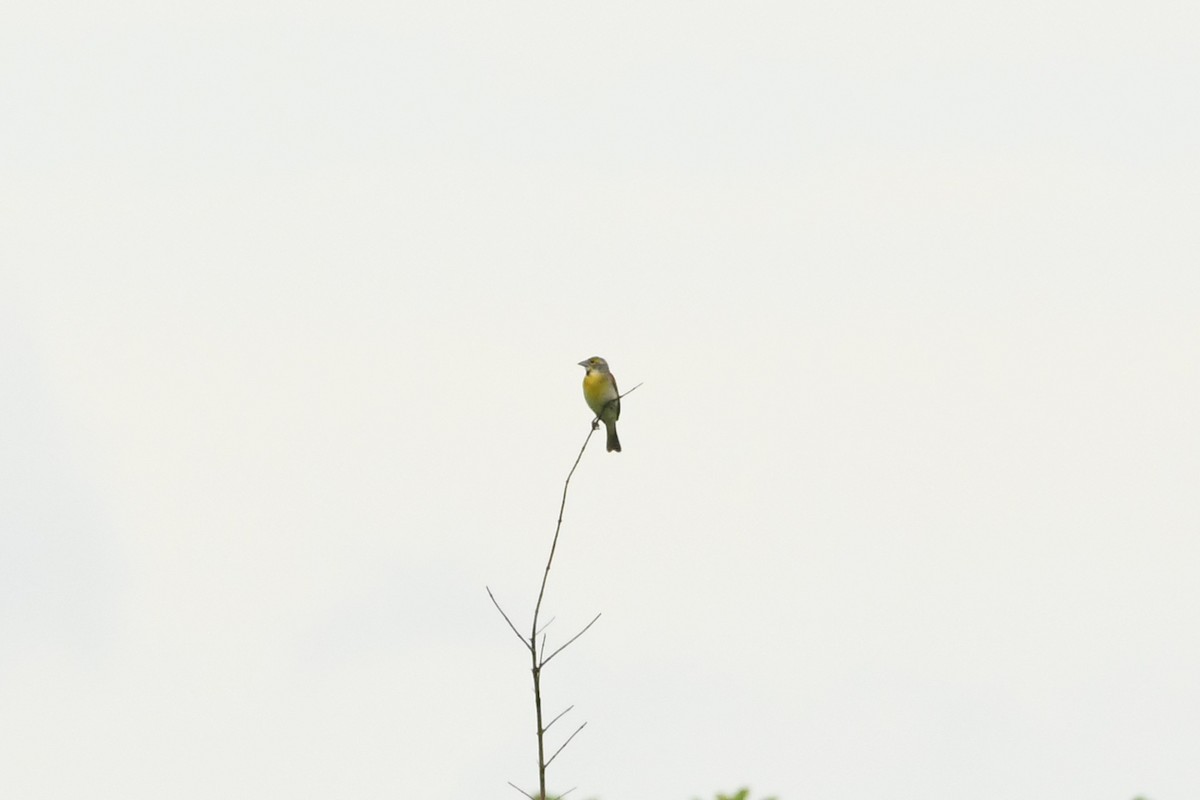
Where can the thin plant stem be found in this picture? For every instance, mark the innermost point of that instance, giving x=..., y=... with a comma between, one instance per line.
x=540, y=659
x=537, y=609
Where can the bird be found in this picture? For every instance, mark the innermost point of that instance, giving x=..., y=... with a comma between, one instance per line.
x=600, y=392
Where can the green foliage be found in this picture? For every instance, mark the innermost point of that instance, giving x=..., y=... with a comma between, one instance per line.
x=741, y=794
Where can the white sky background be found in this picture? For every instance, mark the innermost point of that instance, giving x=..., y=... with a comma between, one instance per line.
x=292, y=298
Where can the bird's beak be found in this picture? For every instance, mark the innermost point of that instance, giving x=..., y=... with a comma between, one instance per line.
x=583, y=363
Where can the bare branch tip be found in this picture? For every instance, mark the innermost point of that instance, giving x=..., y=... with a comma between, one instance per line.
x=631, y=391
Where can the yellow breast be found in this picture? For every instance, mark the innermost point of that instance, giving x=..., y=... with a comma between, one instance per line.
x=598, y=389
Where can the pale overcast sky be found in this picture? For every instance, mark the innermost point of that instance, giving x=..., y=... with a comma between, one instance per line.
x=292, y=298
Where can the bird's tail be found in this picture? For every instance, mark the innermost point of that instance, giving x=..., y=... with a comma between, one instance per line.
x=614, y=444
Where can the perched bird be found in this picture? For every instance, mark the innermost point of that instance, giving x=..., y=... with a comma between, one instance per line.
x=600, y=391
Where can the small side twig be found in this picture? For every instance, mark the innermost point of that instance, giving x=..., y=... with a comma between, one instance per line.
x=546, y=660
x=522, y=791
x=506, y=619
x=564, y=744
x=556, y=719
